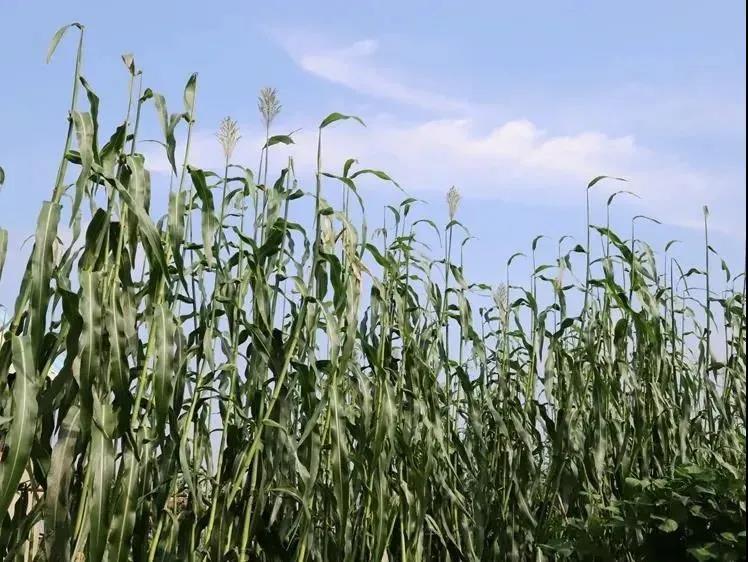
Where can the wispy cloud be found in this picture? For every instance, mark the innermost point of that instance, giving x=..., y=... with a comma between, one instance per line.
x=354, y=66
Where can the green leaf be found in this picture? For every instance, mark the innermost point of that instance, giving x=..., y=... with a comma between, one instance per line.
x=84, y=131
x=93, y=103
x=189, y=95
x=129, y=61
x=101, y=464
x=347, y=166
x=645, y=217
x=137, y=180
x=176, y=225
x=41, y=270
x=163, y=373
x=725, y=268
x=278, y=139
x=151, y=237
x=168, y=125
x=668, y=526
x=333, y=117
x=209, y=222
x=23, y=425
x=124, y=509
x=513, y=257
x=378, y=173
x=703, y=553
x=90, y=365
x=59, y=500
x=112, y=149
x=600, y=178
x=57, y=37
x=622, y=192
x=116, y=327
x=3, y=249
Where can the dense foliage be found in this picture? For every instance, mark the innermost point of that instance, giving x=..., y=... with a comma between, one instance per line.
x=228, y=382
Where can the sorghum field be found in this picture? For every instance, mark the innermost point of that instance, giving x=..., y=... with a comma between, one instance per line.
x=256, y=375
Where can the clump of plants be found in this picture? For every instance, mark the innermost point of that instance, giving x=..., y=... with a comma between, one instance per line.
x=255, y=374
x=695, y=514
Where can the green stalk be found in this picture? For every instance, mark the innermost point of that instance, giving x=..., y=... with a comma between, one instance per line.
x=59, y=182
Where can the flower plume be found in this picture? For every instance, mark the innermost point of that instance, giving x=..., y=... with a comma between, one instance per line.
x=453, y=201
x=228, y=135
x=269, y=105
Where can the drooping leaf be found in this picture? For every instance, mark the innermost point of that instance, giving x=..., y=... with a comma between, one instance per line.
x=23, y=422
x=333, y=117
x=600, y=178
x=57, y=37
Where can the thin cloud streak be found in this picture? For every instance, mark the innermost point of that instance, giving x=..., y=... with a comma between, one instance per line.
x=353, y=66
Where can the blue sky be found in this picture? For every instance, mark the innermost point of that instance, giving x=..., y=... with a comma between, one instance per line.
x=517, y=104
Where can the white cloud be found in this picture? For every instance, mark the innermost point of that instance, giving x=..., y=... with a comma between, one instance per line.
x=353, y=66
x=519, y=161
x=514, y=161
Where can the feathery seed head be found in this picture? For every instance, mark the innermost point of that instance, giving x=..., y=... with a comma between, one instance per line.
x=453, y=201
x=228, y=135
x=269, y=105
x=501, y=300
